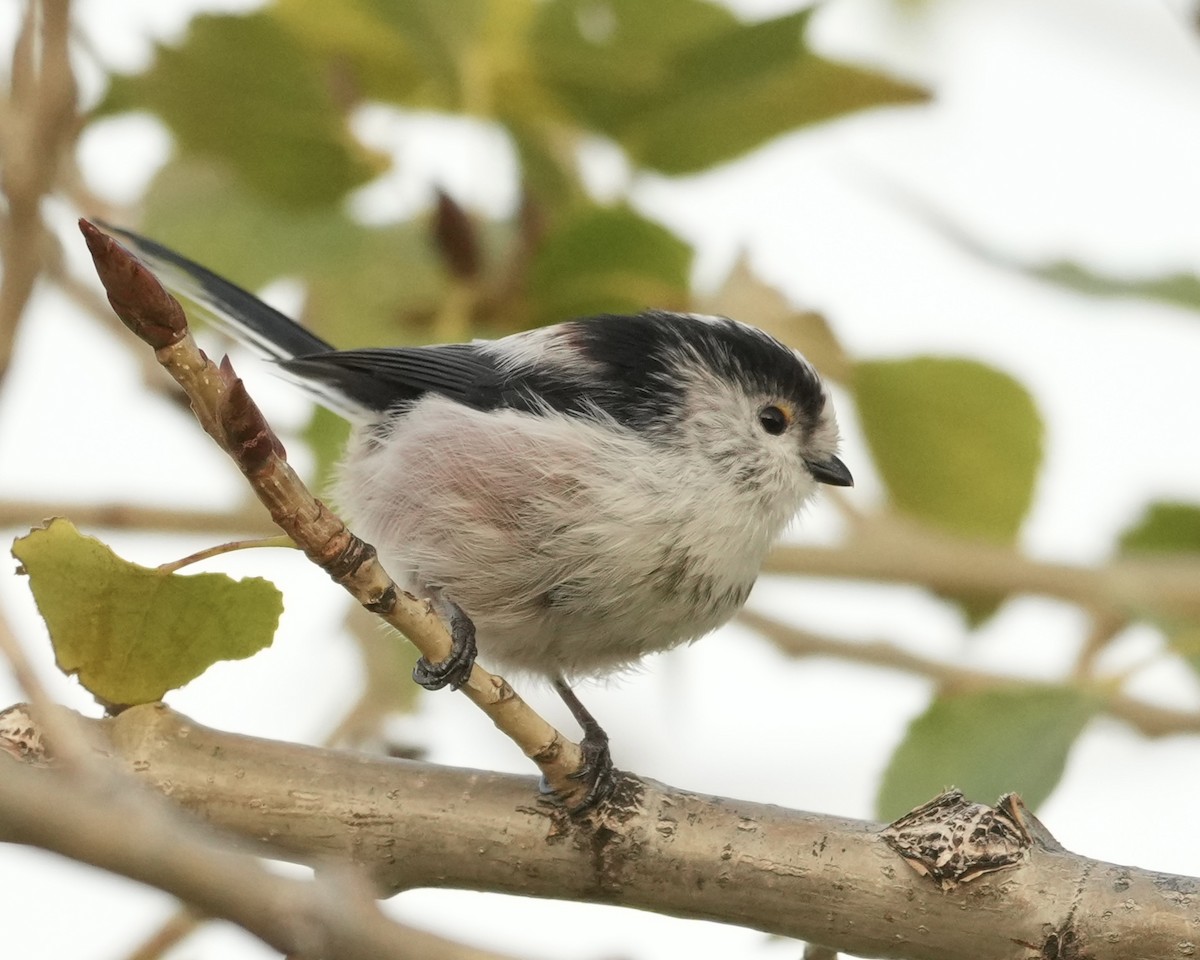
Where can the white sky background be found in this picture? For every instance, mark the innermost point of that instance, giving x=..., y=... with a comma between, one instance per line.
x=1062, y=128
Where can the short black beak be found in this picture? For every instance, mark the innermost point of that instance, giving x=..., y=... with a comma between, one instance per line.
x=831, y=471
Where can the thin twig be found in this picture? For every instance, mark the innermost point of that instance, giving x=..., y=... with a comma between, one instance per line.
x=1104, y=629
x=37, y=132
x=129, y=516
x=223, y=548
x=1151, y=720
x=895, y=550
x=169, y=934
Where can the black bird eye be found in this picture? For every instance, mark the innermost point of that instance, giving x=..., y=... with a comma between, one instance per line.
x=773, y=420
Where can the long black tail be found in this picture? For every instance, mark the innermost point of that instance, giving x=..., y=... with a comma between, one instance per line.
x=240, y=312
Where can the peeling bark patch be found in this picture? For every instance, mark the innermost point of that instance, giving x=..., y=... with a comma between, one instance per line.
x=602, y=832
x=1060, y=944
x=20, y=735
x=1057, y=946
x=776, y=867
x=952, y=840
x=1063, y=945
x=1175, y=888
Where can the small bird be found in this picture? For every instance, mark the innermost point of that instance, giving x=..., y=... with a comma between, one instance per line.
x=570, y=498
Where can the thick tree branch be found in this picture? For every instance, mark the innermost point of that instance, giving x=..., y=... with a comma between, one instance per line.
x=822, y=879
x=111, y=826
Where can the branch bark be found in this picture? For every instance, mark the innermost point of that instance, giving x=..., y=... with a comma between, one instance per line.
x=97, y=822
x=823, y=879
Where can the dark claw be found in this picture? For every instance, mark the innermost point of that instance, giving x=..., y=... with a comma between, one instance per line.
x=596, y=769
x=456, y=668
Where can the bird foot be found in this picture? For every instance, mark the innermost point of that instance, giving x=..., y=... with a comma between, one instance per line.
x=454, y=670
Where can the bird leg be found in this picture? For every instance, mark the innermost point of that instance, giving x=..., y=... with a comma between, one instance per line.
x=453, y=671
x=597, y=767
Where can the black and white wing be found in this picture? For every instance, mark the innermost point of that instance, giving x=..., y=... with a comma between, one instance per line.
x=352, y=382
x=380, y=379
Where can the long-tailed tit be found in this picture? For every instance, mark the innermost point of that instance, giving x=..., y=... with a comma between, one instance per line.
x=584, y=494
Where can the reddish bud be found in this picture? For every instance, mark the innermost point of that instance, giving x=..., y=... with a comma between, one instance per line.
x=248, y=436
x=134, y=292
x=456, y=238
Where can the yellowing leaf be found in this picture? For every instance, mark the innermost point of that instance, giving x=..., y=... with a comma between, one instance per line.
x=131, y=633
x=959, y=444
x=986, y=744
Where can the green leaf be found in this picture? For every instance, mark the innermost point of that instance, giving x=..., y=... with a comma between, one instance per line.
x=682, y=85
x=438, y=35
x=132, y=633
x=243, y=90
x=986, y=744
x=1170, y=528
x=959, y=444
x=608, y=260
x=1164, y=527
x=976, y=608
x=411, y=53
x=609, y=61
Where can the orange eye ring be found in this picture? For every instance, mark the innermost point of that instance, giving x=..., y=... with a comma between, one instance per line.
x=774, y=419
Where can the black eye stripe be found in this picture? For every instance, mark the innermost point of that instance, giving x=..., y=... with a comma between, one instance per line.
x=773, y=420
